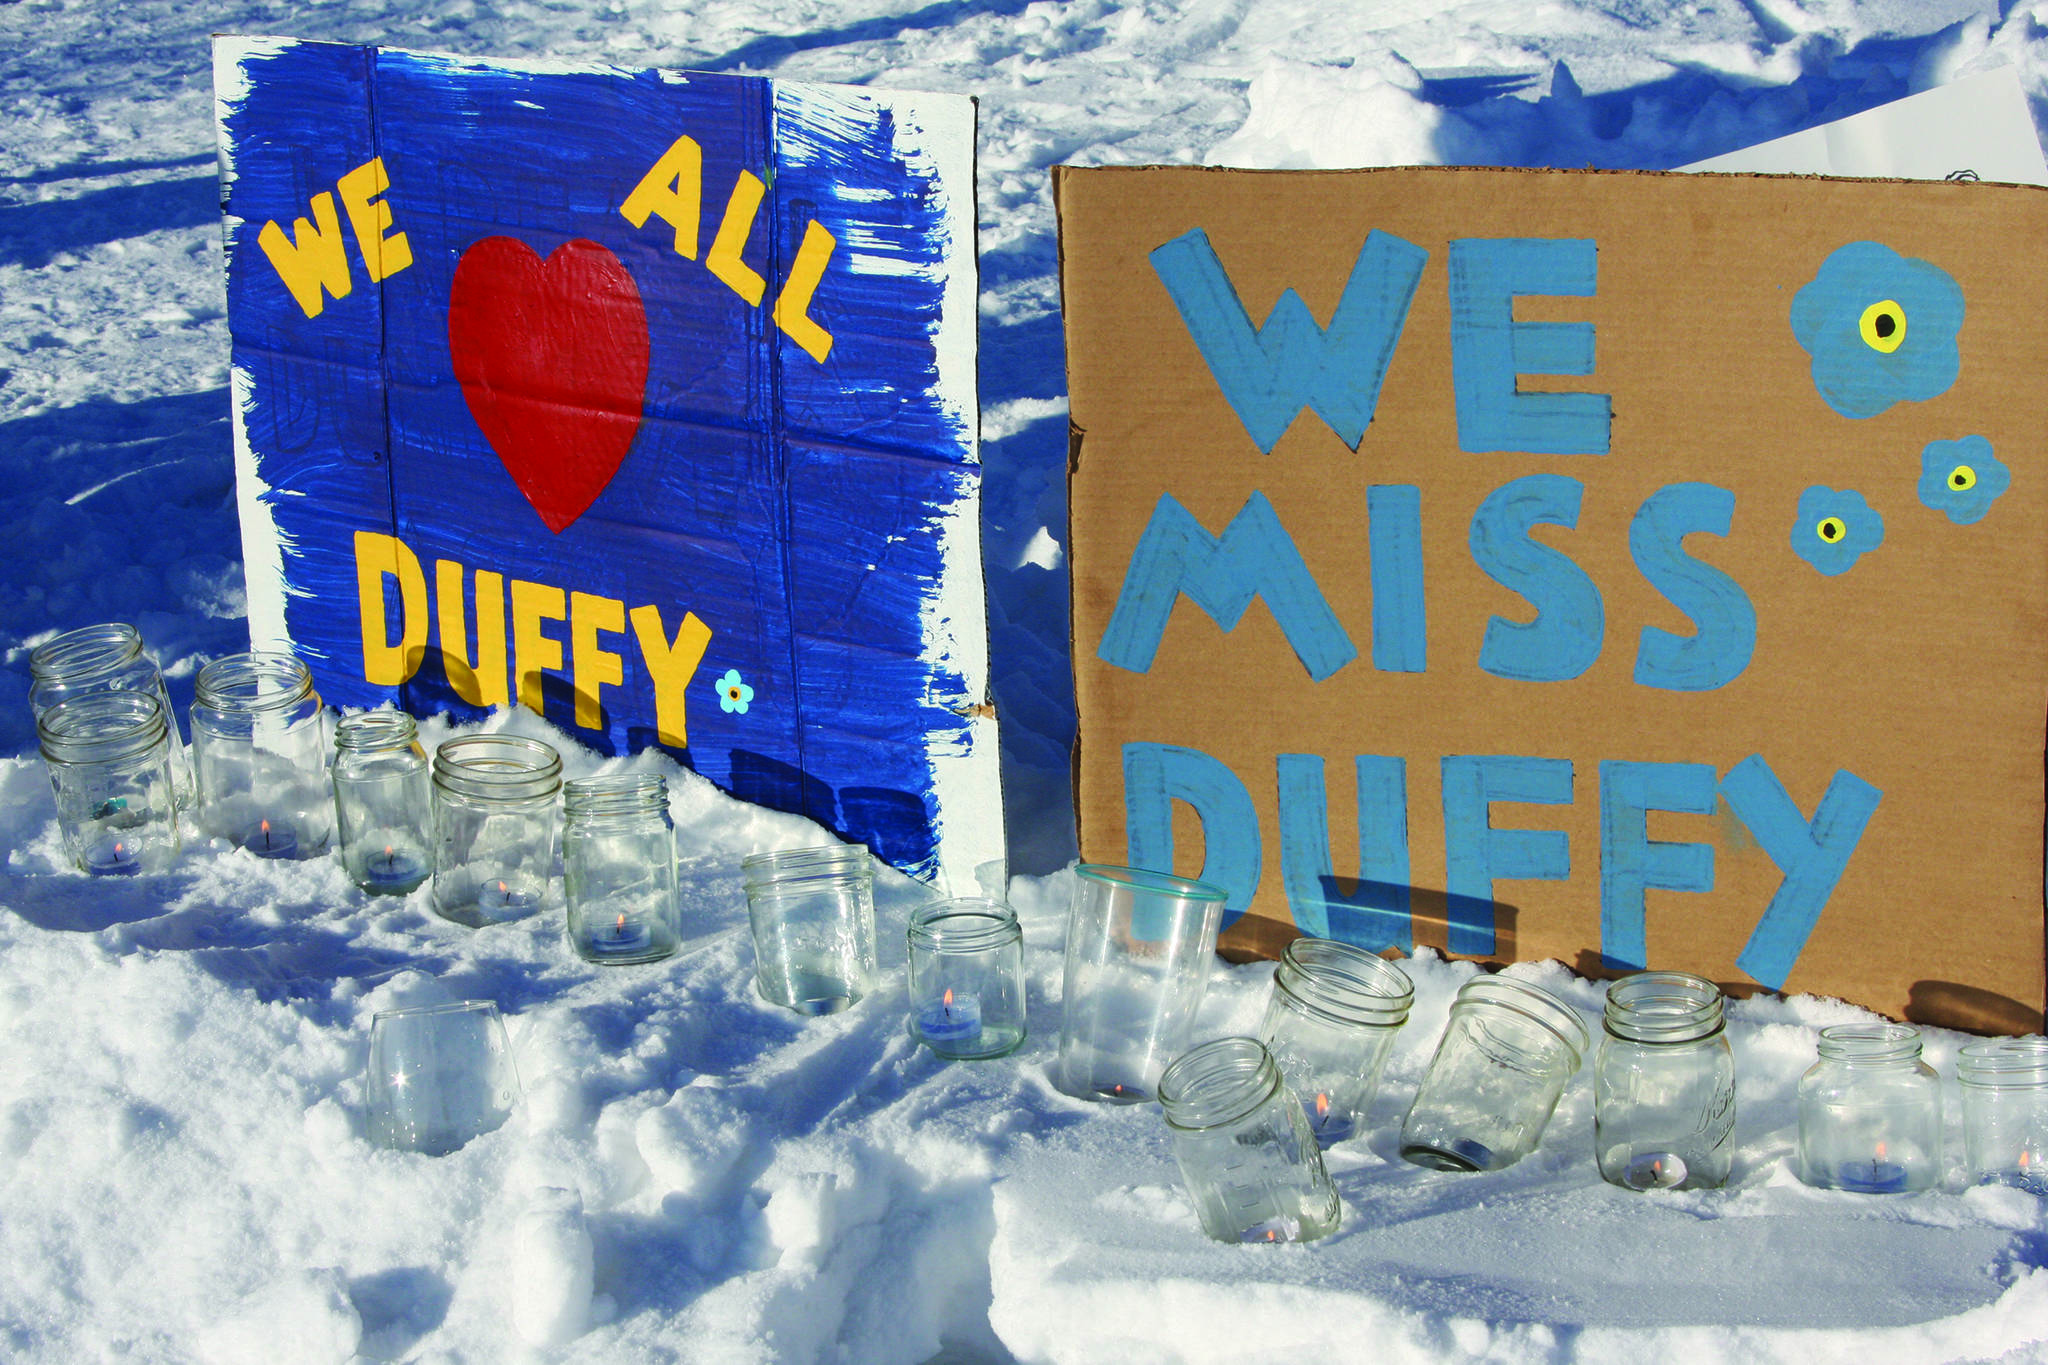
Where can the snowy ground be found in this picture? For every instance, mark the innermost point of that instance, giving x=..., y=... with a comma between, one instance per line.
x=182, y=1169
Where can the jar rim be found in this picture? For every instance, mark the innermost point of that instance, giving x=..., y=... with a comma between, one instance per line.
x=963, y=924
x=383, y=728
x=102, y=727
x=1147, y=882
x=258, y=681
x=2002, y=1063
x=1663, y=1007
x=615, y=793
x=764, y=868
x=84, y=651
x=1533, y=1003
x=1217, y=1082
x=498, y=767
x=1344, y=982
x=1858, y=1043
x=488, y=1008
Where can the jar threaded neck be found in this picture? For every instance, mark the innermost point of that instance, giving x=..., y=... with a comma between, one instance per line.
x=2004, y=1064
x=1345, y=983
x=1532, y=1003
x=1218, y=1083
x=253, y=682
x=965, y=924
x=614, y=794
x=79, y=654
x=1870, y=1044
x=376, y=731
x=102, y=727
x=1664, y=1007
x=498, y=768
x=790, y=867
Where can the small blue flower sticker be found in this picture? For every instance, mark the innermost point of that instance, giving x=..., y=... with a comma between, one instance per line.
x=1881, y=329
x=1962, y=478
x=1835, y=529
x=733, y=692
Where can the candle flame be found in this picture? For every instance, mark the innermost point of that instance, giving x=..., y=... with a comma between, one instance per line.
x=1271, y=1235
x=120, y=849
x=1656, y=1170
x=388, y=853
x=622, y=925
x=1322, y=1106
x=947, y=1004
x=266, y=833
x=1880, y=1151
x=503, y=890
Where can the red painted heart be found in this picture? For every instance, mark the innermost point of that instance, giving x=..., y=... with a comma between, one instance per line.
x=552, y=359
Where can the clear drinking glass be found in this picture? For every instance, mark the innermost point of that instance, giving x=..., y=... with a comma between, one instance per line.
x=1870, y=1112
x=109, y=760
x=1664, y=1085
x=1504, y=1059
x=1249, y=1161
x=494, y=827
x=967, y=977
x=619, y=868
x=383, y=804
x=1329, y=1024
x=812, y=911
x=438, y=1076
x=1139, y=945
x=106, y=658
x=259, y=756
x=2005, y=1112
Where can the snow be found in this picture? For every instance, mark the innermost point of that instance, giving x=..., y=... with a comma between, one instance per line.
x=693, y=1175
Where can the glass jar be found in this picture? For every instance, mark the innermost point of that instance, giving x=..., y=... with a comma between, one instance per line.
x=812, y=911
x=967, y=978
x=259, y=756
x=619, y=868
x=1870, y=1112
x=1246, y=1155
x=108, y=754
x=1664, y=1085
x=106, y=658
x=383, y=804
x=1329, y=1024
x=2005, y=1112
x=494, y=827
x=1139, y=945
x=1504, y=1059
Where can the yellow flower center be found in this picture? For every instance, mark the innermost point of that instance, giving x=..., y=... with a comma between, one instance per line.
x=1832, y=529
x=1962, y=477
x=1883, y=326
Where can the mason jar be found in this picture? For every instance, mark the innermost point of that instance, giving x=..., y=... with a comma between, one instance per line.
x=106, y=658
x=1329, y=1024
x=1664, y=1085
x=1870, y=1112
x=259, y=756
x=1246, y=1155
x=383, y=803
x=1504, y=1059
x=812, y=912
x=967, y=978
x=619, y=868
x=2005, y=1112
x=108, y=754
x=494, y=827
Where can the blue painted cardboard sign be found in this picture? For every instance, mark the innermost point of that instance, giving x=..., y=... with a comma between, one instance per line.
x=1641, y=571
x=642, y=399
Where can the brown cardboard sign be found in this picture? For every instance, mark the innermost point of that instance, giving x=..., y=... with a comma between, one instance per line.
x=1635, y=570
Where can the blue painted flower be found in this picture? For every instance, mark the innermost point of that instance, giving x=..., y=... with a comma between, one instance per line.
x=1835, y=529
x=733, y=693
x=1881, y=328
x=1962, y=478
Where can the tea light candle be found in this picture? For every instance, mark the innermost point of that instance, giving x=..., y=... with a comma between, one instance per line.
x=498, y=898
x=271, y=839
x=393, y=870
x=1329, y=1123
x=1272, y=1230
x=622, y=937
x=1655, y=1171
x=951, y=1019
x=112, y=858
x=1875, y=1176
